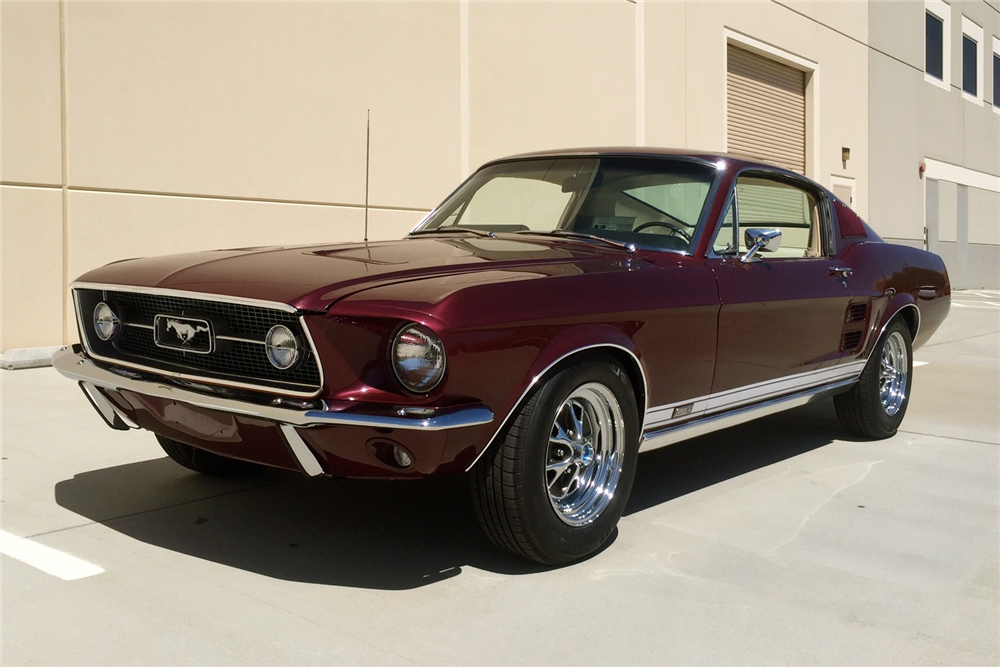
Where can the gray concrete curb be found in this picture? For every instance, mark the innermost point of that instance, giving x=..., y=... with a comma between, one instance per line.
x=27, y=357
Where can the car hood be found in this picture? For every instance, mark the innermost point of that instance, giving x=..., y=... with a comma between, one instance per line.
x=314, y=277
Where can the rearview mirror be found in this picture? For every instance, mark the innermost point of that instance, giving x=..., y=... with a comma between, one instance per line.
x=580, y=180
x=765, y=240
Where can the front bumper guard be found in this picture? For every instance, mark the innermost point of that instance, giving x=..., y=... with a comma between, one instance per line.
x=75, y=365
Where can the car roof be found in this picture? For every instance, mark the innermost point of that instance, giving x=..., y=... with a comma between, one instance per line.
x=708, y=157
x=639, y=151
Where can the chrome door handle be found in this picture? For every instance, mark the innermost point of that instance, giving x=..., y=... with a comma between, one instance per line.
x=841, y=271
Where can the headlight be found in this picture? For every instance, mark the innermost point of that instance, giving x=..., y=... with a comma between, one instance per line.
x=106, y=321
x=282, y=348
x=418, y=358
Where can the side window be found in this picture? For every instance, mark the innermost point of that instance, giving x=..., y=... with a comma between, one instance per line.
x=772, y=204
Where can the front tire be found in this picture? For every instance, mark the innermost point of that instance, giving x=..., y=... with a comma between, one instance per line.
x=554, y=488
x=199, y=460
x=874, y=407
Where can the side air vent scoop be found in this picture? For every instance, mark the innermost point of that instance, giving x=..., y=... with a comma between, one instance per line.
x=852, y=339
x=856, y=312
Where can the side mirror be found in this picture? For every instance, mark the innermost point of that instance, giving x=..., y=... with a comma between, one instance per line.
x=765, y=240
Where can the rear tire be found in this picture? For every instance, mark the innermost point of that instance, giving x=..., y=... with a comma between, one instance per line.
x=874, y=407
x=552, y=490
x=199, y=460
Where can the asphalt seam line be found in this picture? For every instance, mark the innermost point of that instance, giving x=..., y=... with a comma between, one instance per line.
x=951, y=437
x=959, y=340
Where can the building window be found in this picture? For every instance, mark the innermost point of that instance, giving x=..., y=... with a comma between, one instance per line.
x=972, y=62
x=937, y=43
x=996, y=75
x=996, y=79
x=969, y=48
x=934, y=46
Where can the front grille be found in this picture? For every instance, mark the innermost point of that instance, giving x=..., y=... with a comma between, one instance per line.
x=244, y=361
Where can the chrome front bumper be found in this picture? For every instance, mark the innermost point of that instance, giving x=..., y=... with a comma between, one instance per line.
x=75, y=365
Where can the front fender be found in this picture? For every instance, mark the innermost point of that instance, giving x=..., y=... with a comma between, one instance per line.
x=561, y=350
x=590, y=338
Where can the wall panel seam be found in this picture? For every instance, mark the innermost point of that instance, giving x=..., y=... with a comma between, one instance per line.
x=44, y=186
x=234, y=198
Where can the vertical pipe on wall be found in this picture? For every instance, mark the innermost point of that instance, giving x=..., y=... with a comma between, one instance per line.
x=640, y=73
x=463, y=59
x=68, y=321
x=368, y=145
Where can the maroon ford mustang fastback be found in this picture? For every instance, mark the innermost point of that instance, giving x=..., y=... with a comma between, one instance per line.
x=557, y=314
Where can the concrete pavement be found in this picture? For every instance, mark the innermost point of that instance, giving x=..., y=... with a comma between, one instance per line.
x=778, y=541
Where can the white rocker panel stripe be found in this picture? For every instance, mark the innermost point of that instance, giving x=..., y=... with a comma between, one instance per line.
x=662, y=415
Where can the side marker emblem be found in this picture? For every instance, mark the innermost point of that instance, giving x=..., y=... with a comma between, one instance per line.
x=683, y=411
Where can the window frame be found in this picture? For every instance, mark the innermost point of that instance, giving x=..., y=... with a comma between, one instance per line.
x=973, y=32
x=827, y=239
x=941, y=10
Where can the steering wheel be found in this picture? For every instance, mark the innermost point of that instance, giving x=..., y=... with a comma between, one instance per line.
x=674, y=229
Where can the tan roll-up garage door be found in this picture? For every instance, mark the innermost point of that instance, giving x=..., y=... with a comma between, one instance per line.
x=766, y=116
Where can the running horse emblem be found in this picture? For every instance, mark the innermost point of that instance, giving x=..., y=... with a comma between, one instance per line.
x=185, y=332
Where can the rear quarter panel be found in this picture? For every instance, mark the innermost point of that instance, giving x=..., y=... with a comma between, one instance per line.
x=909, y=276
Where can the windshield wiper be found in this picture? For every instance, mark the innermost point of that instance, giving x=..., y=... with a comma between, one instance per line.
x=453, y=229
x=628, y=247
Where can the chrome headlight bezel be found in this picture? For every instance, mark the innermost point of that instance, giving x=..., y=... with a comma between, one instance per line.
x=276, y=343
x=408, y=340
x=106, y=321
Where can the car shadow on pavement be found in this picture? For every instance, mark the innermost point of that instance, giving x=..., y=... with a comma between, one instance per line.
x=691, y=465
x=377, y=534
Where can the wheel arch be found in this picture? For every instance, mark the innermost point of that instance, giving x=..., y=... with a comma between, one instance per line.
x=901, y=308
x=557, y=357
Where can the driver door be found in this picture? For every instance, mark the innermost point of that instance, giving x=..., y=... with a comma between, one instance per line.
x=782, y=316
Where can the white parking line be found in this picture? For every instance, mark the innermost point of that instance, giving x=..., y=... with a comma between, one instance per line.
x=978, y=305
x=46, y=559
x=920, y=363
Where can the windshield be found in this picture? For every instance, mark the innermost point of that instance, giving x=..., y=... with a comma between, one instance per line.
x=653, y=203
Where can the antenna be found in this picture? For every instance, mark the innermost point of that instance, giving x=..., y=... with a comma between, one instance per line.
x=368, y=143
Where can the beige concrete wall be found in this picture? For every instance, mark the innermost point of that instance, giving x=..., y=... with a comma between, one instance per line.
x=31, y=252
x=550, y=74
x=31, y=221
x=984, y=217
x=265, y=100
x=194, y=126
x=200, y=125
x=30, y=131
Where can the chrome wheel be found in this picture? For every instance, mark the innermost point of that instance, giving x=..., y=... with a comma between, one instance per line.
x=586, y=448
x=893, y=374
